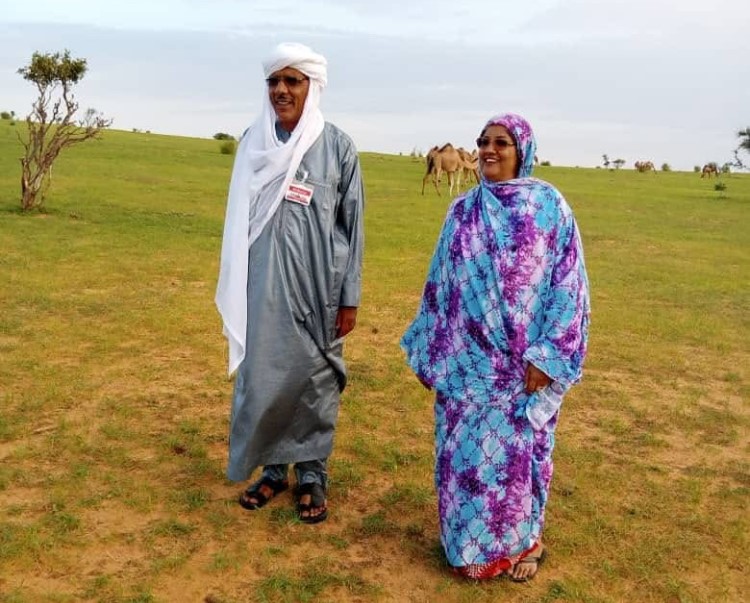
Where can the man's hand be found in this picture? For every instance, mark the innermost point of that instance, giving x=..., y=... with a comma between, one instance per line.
x=345, y=320
x=535, y=379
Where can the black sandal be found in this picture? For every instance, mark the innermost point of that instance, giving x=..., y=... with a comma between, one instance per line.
x=276, y=486
x=317, y=501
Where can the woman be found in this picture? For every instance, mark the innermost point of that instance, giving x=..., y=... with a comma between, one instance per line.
x=500, y=335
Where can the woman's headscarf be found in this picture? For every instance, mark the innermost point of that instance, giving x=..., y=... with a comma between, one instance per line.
x=522, y=134
x=263, y=168
x=507, y=286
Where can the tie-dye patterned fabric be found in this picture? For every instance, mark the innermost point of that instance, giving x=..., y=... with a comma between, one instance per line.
x=506, y=287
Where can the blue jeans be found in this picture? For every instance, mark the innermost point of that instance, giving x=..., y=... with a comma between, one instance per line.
x=306, y=472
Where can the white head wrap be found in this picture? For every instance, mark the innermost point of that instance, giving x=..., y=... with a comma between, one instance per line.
x=263, y=168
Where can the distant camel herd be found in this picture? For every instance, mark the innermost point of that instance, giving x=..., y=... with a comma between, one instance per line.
x=457, y=163
x=708, y=169
x=645, y=166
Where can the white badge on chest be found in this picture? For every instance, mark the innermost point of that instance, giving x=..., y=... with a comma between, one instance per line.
x=299, y=193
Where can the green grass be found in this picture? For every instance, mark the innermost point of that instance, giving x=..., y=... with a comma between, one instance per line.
x=114, y=401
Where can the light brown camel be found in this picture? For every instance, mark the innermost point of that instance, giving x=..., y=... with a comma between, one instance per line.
x=444, y=159
x=710, y=168
x=470, y=165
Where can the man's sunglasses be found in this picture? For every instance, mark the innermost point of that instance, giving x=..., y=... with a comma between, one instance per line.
x=289, y=80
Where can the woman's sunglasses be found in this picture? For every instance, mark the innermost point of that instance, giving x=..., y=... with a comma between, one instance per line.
x=500, y=143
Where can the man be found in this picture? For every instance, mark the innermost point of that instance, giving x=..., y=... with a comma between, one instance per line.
x=295, y=202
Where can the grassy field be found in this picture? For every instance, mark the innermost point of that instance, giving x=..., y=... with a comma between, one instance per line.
x=114, y=399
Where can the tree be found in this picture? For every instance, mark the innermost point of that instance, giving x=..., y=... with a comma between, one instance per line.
x=744, y=136
x=618, y=163
x=50, y=125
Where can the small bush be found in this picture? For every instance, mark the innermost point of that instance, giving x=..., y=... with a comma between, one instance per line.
x=697, y=169
x=228, y=147
x=720, y=186
x=223, y=136
x=4, y=115
x=546, y=164
x=665, y=167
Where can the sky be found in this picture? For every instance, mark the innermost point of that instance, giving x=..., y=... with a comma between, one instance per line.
x=660, y=80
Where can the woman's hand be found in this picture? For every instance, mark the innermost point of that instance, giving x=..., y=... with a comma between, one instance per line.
x=535, y=379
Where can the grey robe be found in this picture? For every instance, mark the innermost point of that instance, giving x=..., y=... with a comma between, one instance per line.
x=306, y=263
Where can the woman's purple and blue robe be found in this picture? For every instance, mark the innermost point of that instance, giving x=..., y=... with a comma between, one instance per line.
x=507, y=286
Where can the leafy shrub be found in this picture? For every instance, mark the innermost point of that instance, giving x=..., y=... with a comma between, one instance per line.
x=697, y=169
x=228, y=147
x=223, y=136
x=665, y=167
x=4, y=115
x=720, y=186
x=545, y=163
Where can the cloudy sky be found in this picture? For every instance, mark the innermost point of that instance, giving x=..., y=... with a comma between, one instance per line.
x=664, y=80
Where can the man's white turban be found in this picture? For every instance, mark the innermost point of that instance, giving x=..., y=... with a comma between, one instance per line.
x=299, y=56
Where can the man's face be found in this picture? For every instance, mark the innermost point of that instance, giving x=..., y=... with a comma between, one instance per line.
x=287, y=89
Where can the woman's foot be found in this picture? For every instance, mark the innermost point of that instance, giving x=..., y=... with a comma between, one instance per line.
x=525, y=569
x=311, y=503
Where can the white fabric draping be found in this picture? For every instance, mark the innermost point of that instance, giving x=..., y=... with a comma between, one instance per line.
x=263, y=169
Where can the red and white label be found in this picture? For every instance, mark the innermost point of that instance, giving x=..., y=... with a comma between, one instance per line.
x=299, y=193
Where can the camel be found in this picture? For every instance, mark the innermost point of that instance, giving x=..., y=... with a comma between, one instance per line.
x=470, y=165
x=645, y=166
x=456, y=162
x=444, y=159
x=710, y=168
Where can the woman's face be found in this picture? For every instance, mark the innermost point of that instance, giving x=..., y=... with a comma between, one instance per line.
x=498, y=159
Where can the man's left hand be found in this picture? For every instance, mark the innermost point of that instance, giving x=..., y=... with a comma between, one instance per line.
x=345, y=320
